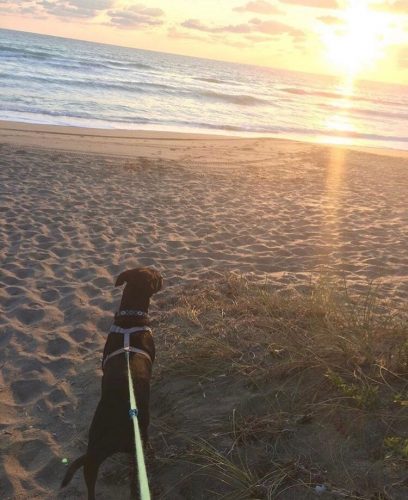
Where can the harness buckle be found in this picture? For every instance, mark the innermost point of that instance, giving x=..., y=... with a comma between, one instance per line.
x=133, y=412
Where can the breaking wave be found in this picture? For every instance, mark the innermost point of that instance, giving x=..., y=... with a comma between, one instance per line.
x=241, y=99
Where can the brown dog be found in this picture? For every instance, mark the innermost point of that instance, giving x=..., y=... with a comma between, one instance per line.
x=111, y=429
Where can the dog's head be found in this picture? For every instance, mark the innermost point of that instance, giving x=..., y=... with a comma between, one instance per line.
x=142, y=280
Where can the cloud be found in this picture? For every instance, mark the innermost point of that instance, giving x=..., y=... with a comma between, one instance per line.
x=174, y=32
x=127, y=17
x=195, y=24
x=29, y=7
x=400, y=6
x=330, y=20
x=75, y=8
x=276, y=28
x=403, y=57
x=255, y=38
x=321, y=4
x=135, y=16
x=255, y=25
x=258, y=6
x=212, y=38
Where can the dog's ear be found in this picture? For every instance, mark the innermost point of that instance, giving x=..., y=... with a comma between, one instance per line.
x=157, y=281
x=123, y=278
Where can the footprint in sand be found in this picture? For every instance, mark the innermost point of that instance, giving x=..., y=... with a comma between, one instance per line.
x=29, y=452
x=29, y=315
x=79, y=335
x=58, y=346
x=58, y=396
x=28, y=390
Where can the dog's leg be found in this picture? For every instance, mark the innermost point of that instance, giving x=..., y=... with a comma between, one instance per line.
x=91, y=466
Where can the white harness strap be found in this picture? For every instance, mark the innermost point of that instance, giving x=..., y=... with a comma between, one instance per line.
x=126, y=332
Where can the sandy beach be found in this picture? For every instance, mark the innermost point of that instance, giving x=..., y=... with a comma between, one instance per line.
x=79, y=206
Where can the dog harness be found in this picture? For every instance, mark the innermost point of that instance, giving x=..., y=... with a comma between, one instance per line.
x=126, y=332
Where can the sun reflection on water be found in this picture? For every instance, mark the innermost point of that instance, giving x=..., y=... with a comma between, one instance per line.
x=339, y=125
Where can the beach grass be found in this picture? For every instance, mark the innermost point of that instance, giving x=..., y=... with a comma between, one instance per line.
x=265, y=394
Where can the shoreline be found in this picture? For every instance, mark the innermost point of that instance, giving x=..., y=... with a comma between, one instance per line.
x=122, y=142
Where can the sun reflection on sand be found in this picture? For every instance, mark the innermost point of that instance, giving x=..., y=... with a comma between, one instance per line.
x=337, y=123
x=332, y=206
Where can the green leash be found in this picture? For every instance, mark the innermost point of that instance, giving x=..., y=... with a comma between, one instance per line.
x=141, y=466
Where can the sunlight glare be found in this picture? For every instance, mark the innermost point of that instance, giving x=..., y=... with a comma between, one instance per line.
x=360, y=41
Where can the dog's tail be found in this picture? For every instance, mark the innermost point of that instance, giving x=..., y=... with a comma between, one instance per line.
x=76, y=464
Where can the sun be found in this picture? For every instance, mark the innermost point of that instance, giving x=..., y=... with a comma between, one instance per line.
x=360, y=39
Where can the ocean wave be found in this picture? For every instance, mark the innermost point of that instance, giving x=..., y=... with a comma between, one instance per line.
x=107, y=64
x=214, y=80
x=208, y=126
x=241, y=99
x=46, y=112
x=129, y=64
x=9, y=113
x=364, y=135
x=66, y=61
x=340, y=96
x=89, y=65
x=370, y=136
x=367, y=112
x=8, y=80
x=321, y=93
x=304, y=132
x=33, y=53
x=133, y=87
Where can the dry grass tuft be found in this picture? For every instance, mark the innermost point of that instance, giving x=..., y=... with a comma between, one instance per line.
x=262, y=394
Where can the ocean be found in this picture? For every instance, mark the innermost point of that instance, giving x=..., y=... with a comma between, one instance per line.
x=59, y=81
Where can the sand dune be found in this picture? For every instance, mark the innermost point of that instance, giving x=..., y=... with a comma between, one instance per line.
x=193, y=209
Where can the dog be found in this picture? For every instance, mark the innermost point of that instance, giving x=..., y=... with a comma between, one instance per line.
x=111, y=430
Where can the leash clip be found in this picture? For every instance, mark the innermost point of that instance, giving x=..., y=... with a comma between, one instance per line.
x=133, y=412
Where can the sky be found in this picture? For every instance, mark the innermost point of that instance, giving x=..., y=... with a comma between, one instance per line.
x=365, y=39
